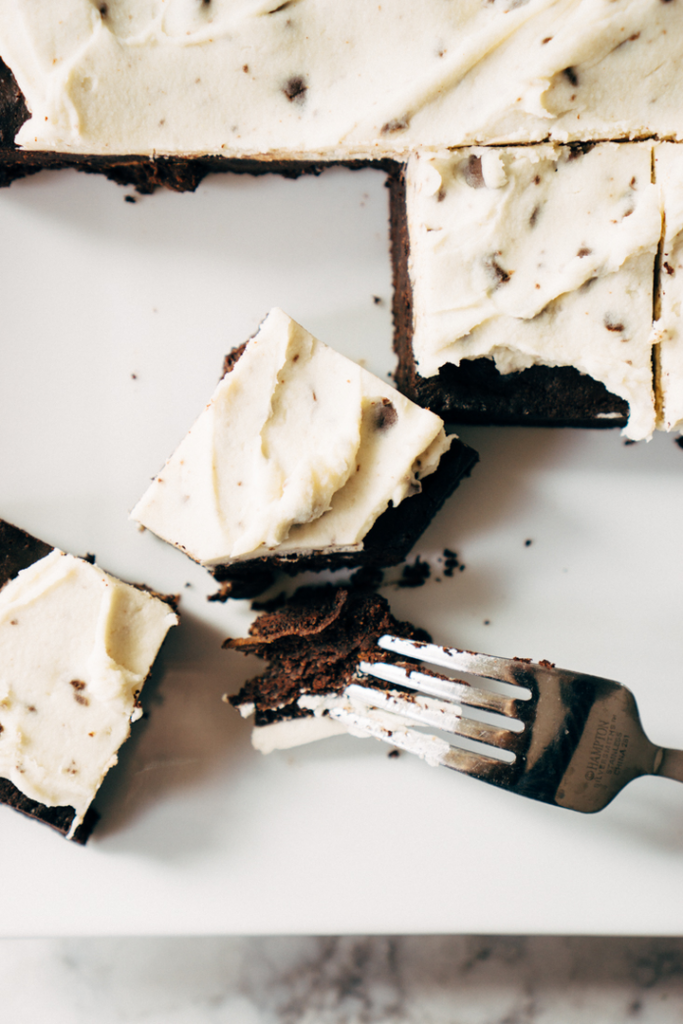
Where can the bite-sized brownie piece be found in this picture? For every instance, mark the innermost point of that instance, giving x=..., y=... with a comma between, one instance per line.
x=302, y=460
x=76, y=646
x=312, y=645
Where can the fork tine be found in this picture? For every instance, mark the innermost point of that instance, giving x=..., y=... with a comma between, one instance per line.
x=439, y=715
x=437, y=686
x=508, y=670
x=432, y=749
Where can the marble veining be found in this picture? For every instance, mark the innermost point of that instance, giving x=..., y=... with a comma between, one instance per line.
x=347, y=980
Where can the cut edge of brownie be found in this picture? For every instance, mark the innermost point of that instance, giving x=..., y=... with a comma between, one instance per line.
x=312, y=645
x=475, y=392
x=388, y=542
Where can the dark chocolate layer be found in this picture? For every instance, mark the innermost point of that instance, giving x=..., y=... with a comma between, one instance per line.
x=312, y=644
x=475, y=391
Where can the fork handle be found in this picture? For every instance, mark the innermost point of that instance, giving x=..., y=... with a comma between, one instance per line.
x=670, y=764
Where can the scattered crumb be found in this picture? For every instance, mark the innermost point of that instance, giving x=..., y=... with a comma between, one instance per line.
x=188, y=584
x=629, y=441
x=546, y=664
x=129, y=199
x=141, y=528
x=527, y=543
x=679, y=441
x=451, y=562
x=415, y=575
x=394, y=753
x=133, y=376
x=378, y=300
x=487, y=622
x=89, y=558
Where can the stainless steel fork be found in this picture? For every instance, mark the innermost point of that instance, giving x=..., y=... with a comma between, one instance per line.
x=564, y=738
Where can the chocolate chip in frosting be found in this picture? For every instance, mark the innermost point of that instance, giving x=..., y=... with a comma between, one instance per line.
x=398, y=124
x=474, y=176
x=571, y=75
x=611, y=325
x=492, y=264
x=295, y=89
x=386, y=415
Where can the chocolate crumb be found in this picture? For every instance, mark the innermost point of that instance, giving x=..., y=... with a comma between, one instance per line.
x=394, y=753
x=629, y=440
x=669, y=269
x=77, y=684
x=611, y=326
x=527, y=543
x=245, y=68
x=584, y=251
x=571, y=75
x=89, y=558
x=415, y=575
x=378, y=300
x=679, y=441
x=546, y=664
x=15, y=622
x=129, y=199
x=451, y=562
x=487, y=622
x=32, y=707
x=133, y=376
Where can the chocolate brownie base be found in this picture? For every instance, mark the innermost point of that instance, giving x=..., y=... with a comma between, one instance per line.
x=475, y=391
x=313, y=644
x=388, y=542
x=18, y=550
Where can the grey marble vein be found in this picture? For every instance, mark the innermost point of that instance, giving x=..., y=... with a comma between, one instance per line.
x=348, y=980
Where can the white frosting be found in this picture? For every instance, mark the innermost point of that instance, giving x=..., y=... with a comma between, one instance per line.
x=307, y=77
x=538, y=254
x=75, y=648
x=669, y=173
x=299, y=449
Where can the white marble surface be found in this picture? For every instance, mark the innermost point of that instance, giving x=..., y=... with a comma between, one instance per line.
x=425, y=979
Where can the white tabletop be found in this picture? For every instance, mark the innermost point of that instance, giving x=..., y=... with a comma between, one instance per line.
x=115, y=320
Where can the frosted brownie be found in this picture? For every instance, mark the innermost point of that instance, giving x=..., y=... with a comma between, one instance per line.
x=533, y=256
x=312, y=645
x=76, y=646
x=301, y=460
